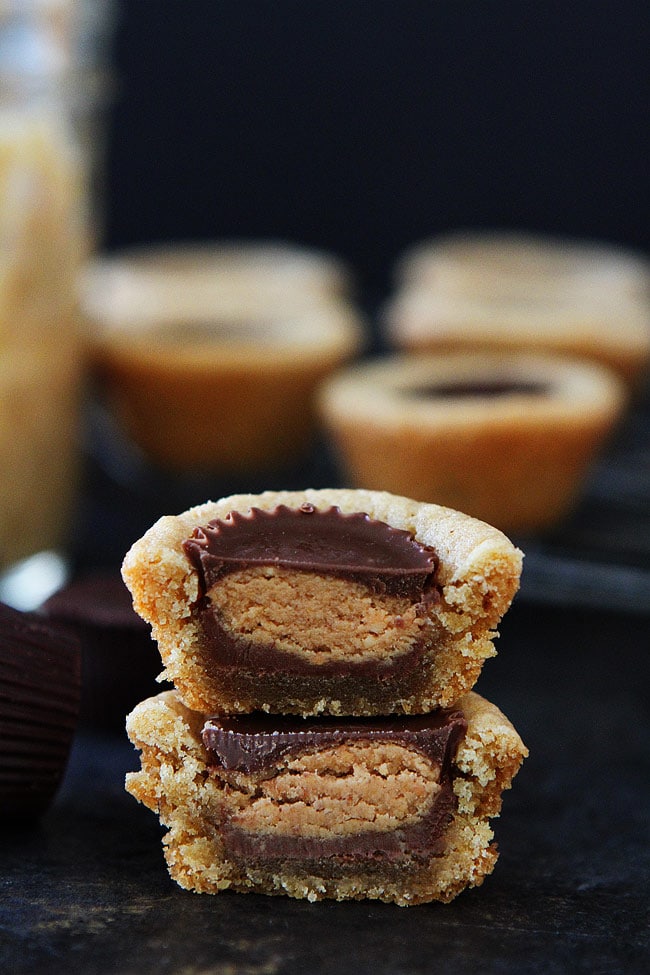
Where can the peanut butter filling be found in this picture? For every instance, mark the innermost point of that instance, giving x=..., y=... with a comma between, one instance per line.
x=354, y=790
x=321, y=619
x=336, y=792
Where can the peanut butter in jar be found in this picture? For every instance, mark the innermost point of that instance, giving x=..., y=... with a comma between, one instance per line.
x=42, y=240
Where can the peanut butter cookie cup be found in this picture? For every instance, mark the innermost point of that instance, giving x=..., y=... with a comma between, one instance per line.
x=515, y=292
x=507, y=438
x=395, y=809
x=208, y=357
x=346, y=602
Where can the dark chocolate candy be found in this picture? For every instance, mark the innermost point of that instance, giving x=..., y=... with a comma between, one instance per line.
x=40, y=678
x=310, y=540
x=383, y=558
x=481, y=388
x=249, y=743
x=99, y=599
x=120, y=661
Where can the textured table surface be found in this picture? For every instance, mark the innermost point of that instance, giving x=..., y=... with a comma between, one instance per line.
x=87, y=891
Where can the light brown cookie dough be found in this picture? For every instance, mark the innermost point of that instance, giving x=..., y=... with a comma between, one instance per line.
x=393, y=607
x=509, y=439
x=614, y=334
x=167, y=281
x=379, y=814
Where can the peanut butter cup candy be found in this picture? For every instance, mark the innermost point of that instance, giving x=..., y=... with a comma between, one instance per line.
x=508, y=438
x=119, y=660
x=391, y=808
x=343, y=602
x=40, y=683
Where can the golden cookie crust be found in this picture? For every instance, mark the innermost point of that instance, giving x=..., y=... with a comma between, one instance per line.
x=478, y=574
x=508, y=291
x=175, y=782
x=614, y=334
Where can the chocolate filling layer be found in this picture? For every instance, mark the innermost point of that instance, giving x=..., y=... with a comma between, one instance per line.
x=486, y=388
x=259, y=743
x=253, y=742
x=237, y=652
x=310, y=540
x=419, y=841
x=384, y=559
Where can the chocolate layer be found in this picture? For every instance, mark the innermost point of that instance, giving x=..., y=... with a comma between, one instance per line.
x=119, y=660
x=256, y=743
x=240, y=652
x=249, y=743
x=309, y=540
x=485, y=389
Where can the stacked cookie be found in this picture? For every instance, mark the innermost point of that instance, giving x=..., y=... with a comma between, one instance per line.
x=323, y=738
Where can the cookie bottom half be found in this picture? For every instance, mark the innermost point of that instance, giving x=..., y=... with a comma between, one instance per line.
x=393, y=809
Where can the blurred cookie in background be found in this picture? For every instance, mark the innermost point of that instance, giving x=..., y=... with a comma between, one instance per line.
x=507, y=438
x=208, y=357
x=522, y=292
x=517, y=263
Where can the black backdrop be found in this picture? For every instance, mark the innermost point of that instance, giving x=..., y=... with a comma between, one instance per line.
x=363, y=126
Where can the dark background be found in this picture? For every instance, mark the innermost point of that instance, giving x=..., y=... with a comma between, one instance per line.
x=361, y=127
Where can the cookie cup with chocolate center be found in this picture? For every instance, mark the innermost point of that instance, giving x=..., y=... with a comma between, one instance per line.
x=322, y=601
x=393, y=809
x=208, y=358
x=600, y=327
x=520, y=265
x=509, y=439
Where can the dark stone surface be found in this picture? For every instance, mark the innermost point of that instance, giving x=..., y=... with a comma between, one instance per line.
x=88, y=891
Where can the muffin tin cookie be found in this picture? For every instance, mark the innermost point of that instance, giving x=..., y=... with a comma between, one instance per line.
x=520, y=293
x=507, y=438
x=208, y=358
x=522, y=264
x=167, y=282
x=322, y=601
x=262, y=804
